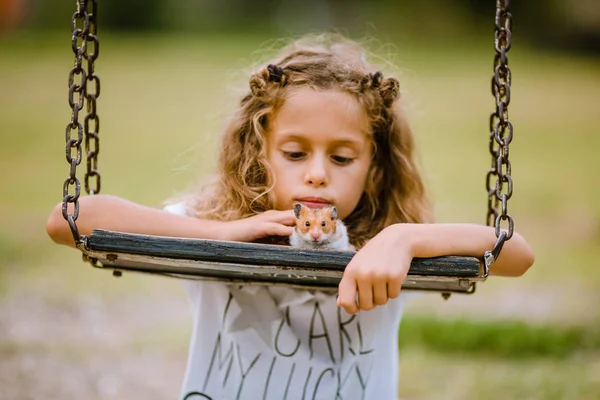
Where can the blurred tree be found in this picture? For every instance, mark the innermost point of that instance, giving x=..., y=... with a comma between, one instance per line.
x=573, y=24
x=216, y=15
x=132, y=15
x=12, y=13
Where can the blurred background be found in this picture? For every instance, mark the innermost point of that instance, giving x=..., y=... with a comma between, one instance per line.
x=169, y=71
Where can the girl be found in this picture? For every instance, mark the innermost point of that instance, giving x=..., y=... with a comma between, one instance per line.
x=319, y=126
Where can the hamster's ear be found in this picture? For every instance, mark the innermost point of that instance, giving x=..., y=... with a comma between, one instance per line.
x=297, y=208
x=334, y=211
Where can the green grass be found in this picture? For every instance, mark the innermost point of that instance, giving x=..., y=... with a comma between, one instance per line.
x=164, y=101
x=502, y=339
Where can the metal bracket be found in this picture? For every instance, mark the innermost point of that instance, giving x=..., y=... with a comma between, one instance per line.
x=490, y=257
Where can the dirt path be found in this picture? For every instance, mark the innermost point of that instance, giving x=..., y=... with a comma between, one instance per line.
x=91, y=348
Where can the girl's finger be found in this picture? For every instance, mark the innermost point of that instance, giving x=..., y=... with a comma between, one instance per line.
x=283, y=217
x=287, y=217
x=275, y=229
x=365, y=295
x=380, y=293
x=393, y=288
x=347, y=295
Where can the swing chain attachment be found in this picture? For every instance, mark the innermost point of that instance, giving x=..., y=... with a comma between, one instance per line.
x=85, y=45
x=501, y=134
x=490, y=257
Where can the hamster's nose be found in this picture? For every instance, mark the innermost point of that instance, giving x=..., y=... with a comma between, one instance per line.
x=315, y=235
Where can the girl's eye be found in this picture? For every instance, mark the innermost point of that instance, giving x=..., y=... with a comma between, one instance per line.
x=323, y=223
x=341, y=160
x=293, y=155
x=307, y=223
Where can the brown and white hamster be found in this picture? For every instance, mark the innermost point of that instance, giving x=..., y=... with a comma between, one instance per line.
x=319, y=228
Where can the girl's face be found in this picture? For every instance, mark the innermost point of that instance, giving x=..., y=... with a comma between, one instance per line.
x=319, y=151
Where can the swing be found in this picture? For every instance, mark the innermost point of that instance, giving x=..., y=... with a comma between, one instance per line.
x=250, y=263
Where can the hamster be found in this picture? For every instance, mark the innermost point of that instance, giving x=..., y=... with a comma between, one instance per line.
x=319, y=228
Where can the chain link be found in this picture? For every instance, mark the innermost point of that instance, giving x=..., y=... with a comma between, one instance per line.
x=92, y=121
x=83, y=29
x=498, y=182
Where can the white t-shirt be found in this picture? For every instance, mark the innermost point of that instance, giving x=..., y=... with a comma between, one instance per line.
x=275, y=343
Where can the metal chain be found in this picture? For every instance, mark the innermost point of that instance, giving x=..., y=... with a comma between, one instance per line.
x=92, y=121
x=501, y=134
x=83, y=29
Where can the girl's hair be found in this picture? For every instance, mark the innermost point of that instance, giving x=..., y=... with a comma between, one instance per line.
x=394, y=191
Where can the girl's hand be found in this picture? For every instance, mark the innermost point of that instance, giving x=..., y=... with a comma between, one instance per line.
x=269, y=223
x=376, y=272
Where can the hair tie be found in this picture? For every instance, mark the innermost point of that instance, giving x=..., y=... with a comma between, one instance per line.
x=376, y=79
x=275, y=73
x=371, y=81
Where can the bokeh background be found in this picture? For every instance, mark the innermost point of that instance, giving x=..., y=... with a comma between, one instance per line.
x=170, y=71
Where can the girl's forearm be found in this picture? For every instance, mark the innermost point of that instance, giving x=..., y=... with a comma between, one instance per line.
x=117, y=214
x=433, y=240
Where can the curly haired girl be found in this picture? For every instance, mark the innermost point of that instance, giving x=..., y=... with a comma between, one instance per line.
x=319, y=126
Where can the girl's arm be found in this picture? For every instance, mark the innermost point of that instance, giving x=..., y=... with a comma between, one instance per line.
x=431, y=240
x=377, y=271
x=117, y=214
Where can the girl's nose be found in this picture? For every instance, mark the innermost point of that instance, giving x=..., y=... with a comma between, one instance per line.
x=316, y=175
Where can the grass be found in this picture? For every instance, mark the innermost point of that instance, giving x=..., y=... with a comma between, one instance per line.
x=162, y=106
x=501, y=339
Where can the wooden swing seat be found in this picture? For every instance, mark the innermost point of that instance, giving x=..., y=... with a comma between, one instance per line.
x=250, y=263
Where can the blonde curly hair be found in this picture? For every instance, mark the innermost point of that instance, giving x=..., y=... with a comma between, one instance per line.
x=394, y=192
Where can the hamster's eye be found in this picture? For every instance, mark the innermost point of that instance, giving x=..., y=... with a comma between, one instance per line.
x=323, y=223
x=307, y=223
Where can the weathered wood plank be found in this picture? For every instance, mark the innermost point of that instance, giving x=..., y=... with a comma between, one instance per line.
x=261, y=254
x=248, y=274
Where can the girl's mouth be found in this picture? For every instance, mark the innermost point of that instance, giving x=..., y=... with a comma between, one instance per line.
x=314, y=202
